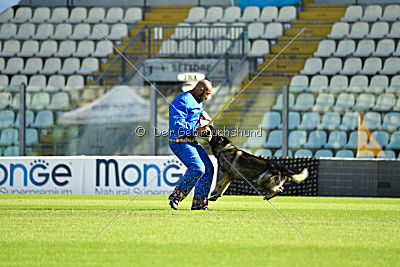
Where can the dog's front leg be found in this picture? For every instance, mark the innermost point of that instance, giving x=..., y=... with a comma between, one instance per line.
x=221, y=187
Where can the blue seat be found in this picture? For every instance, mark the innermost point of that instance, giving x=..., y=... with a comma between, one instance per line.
x=345, y=153
x=324, y=153
x=391, y=121
x=271, y=120
x=372, y=121
x=330, y=121
x=297, y=138
x=263, y=152
x=378, y=139
x=294, y=120
x=278, y=153
x=350, y=121
x=337, y=139
x=303, y=153
x=316, y=139
x=304, y=102
x=310, y=121
x=11, y=151
x=388, y=154
x=6, y=118
x=324, y=102
x=394, y=141
x=357, y=139
x=278, y=105
x=274, y=139
x=365, y=154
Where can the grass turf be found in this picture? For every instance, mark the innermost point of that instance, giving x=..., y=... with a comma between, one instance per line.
x=239, y=230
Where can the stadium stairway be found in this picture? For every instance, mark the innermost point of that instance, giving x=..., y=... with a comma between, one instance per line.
x=259, y=95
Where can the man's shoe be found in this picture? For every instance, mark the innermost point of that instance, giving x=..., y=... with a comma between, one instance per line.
x=173, y=203
x=200, y=204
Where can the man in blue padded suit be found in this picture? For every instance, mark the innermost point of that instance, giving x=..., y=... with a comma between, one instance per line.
x=184, y=118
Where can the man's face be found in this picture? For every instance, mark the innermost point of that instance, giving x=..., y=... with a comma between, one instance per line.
x=207, y=92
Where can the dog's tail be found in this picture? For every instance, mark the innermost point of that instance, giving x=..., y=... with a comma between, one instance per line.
x=298, y=178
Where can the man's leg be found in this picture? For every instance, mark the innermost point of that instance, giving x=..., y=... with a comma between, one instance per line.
x=189, y=156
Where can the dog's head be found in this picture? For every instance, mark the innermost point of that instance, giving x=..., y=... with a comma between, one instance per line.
x=217, y=140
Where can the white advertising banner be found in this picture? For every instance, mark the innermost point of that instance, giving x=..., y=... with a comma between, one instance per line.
x=41, y=175
x=132, y=175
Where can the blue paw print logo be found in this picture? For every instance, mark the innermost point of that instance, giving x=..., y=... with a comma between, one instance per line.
x=175, y=161
x=39, y=161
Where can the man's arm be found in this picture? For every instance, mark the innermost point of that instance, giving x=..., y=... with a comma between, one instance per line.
x=179, y=120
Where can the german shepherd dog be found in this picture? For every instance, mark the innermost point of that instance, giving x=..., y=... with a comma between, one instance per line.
x=236, y=164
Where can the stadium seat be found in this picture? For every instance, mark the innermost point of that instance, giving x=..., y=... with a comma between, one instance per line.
x=66, y=49
x=287, y=14
x=11, y=151
x=29, y=48
x=278, y=153
x=16, y=81
x=29, y=117
x=298, y=84
x=391, y=13
x=365, y=48
x=394, y=30
x=39, y=101
x=214, y=14
x=387, y=154
x=297, y=138
x=250, y=14
x=268, y=14
x=358, y=84
x=217, y=30
x=222, y=46
x=385, y=102
x=256, y=141
x=350, y=121
x=96, y=15
x=351, y=66
x=47, y=49
x=259, y=48
x=372, y=65
x=205, y=47
x=397, y=52
x=273, y=31
x=200, y=31
x=8, y=30
x=323, y=153
x=357, y=139
x=365, y=154
x=44, y=31
x=294, y=120
x=391, y=122
x=394, y=85
x=5, y=99
x=345, y=48
x=75, y=82
x=278, y=104
x=63, y=31
x=15, y=102
x=36, y=83
x=182, y=31
x=336, y=140
x=23, y=14
x=303, y=153
x=3, y=81
x=6, y=15
x=114, y=15
x=14, y=66
x=340, y=30
x=85, y=49
x=59, y=15
x=378, y=84
x=186, y=47
x=235, y=30
x=11, y=48
x=55, y=83
x=70, y=66
x=332, y=66
x=196, y=14
x=6, y=118
x=33, y=65
x=330, y=121
x=31, y=137
x=312, y=66
x=81, y=31
x=231, y=14
x=344, y=153
x=263, y=152
x=391, y=66
x=25, y=31
x=168, y=47
x=384, y=48
x=324, y=102
x=132, y=15
x=372, y=13
x=44, y=119
x=256, y=30
x=371, y=121
x=310, y=121
x=118, y=31
x=325, y=48
x=274, y=139
x=338, y=83
x=359, y=30
x=9, y=137
x=59, y=101
x=378, y=139
x=103, y=49
x=318, y=83
x=364, y=102
x=51, y=66
x=316, y=139
x=352, y=14
x=89, y=65
x=99, y=31
x=77, y=15
x=378, y=30
x=304, y=102
x=271, y=120
x=394, y=141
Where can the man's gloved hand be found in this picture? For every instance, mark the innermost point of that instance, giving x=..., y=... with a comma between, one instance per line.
x=202, y=131
x=204, y=119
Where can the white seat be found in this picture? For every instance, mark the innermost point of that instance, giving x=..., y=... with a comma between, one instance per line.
x=81, y=31
x=350, y=121
x=395, y=30
x=186, y=47
x=196, y=14
x=312, y=66
x=353, y=13
x=359, y=30
x=391, y=66
x=3, y=81
x=59, y=101
x=345, y=48
x=222, y=46
x=344, y=102
x=310, y=121
x=325, y=48
x=365, y=48
x=318, y=83
x=378, y=30
x=114, y=15
x=63, y=31
x=29, y=116
x=6, y=15
x=391, y=122
x=304, y=102
x=278, y=104
x=351, y=66
x=378, y=84
x=357, y=139
x=118, y=31
x=286, y=14
x=391, y=13
x=103, y=49
x=394, y=85
x=51, y=66
x=332, y=66
x=6, y=118
x=273, y=31
x=43, y=119
x=344, y=153
x=316, y=139
x=33, y=65
x=96, y=15
x=85, y=49
x=338, y=83
x=235, y=30
x=8, y=30
x=15, y=104
x=14, y=66
x=388, y=154
x=299, y=83
x=324, y=102
x=55, y=83
x=66, y=49
x=25, y=31
x=182, y=31
x=11, y=48
x=214, y=14
x=47, y=49
x=168, y=47
x=9, y=137
x=263, y=152
x=330, y=121
x=205, y=47
x=59, y=15
x=41, y=14
x=259, y=48
x=200, y=31
x=365, y=154
x=394, y=141
x=256, y=141
x=384, y=48
x=36, y=83
x=336, y=140
x=340, y=30
x=397, y=52
x=89, y=65
x=271, y=120
x=358, y=84
x=16, y=81
x=132, y=15
x=75, y=82
x=372, y=13
x=77, y=15
x=255, y=30
x=29, y=48
x=250, y=14
x=268, y=14
x=23, y=14
x=364, y=102
x=371, y=121
x=297, y=139
x=217, y=31
x=372, y=66
x=99, y=31
x=70, y=66
x=231, y=14
x=2, y=64
x=39, y=101
x=44, y=31
x=385, y=102
x=31, y=137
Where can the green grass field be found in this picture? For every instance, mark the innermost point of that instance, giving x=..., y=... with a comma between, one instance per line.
x=238, y=231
